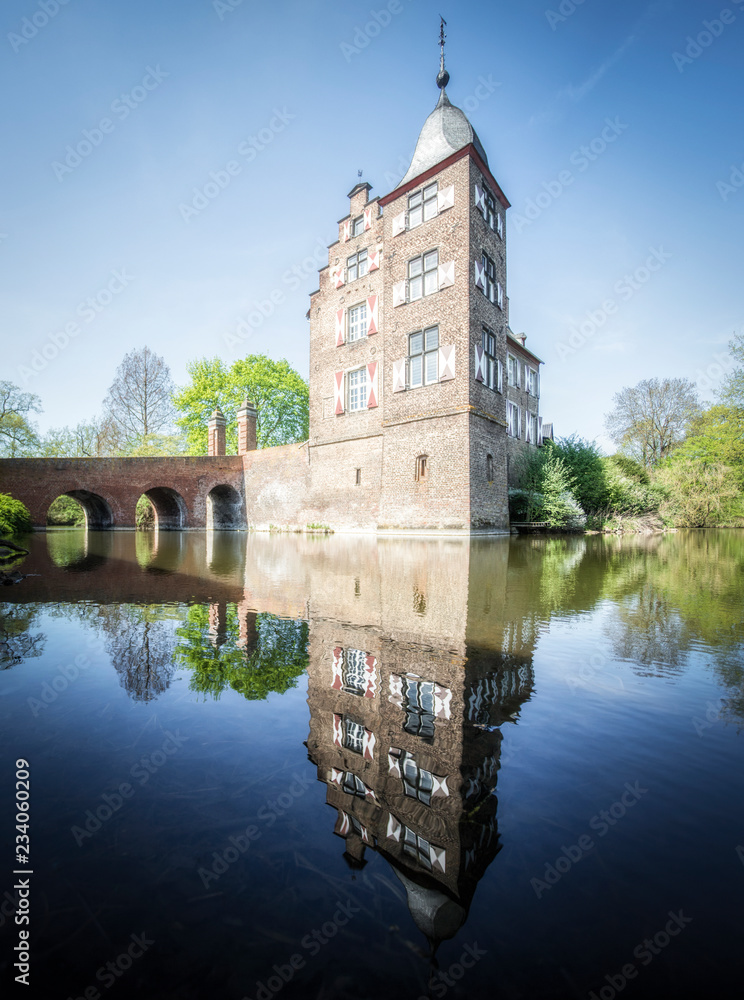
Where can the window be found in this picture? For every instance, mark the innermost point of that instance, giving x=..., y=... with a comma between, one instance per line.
x=416, y=847
x=421, y=467
x=531, y=428
x=353, y=785
x=423, y=357
x=490, y=213
x=358, y=477
x=357, y=226
x=417, y=783
x=513, y=420
x=489, y=468
x=494, y=377
x=422, y=275
x=357, y=322
x=353, y=736
x=532, y=384
x=356, y=266
x=500, y=225
x=352, y=674
x=512, y=367
x=422, y=205
x=419, y=708
x=357, y=382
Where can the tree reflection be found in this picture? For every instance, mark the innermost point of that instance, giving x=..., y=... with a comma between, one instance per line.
x=254, y=654
x=140, y=641
x=17, y=641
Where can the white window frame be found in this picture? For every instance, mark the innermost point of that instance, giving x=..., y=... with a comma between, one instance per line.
x=424, y=203
x=356, y=322
x=533, y=382
x=357, y=222
x=427, y=354
x=512, y=370
x=355, y=263
x=353, y=735
x=429, y=263
x=356, y=392
x=513, y=420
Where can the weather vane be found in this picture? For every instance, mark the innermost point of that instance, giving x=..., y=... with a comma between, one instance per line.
x=443, y=76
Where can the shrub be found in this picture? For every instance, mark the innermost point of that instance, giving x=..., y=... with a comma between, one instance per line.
x=559, y=507
x=65, y=511
x=14, y=516
x=585, y=465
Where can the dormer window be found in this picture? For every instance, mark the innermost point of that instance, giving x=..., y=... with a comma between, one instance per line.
x=422, y=205
x=357, y=226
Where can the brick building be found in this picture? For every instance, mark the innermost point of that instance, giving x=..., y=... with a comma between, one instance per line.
x=420, y=393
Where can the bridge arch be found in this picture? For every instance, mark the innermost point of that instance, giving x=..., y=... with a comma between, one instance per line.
x=169, y=507
x=98, y=514
x=225, y=508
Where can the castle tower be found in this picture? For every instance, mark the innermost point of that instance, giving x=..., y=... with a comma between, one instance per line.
x=409, y=345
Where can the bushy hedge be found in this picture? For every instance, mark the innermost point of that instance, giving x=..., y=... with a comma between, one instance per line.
x=14, y=516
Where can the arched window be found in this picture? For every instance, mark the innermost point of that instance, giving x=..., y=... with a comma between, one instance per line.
x=422, y=468
x=489, y=468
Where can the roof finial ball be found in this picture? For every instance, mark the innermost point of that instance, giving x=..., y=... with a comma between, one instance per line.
x=443, y=76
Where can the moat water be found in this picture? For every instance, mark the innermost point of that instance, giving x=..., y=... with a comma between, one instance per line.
x=336, y=767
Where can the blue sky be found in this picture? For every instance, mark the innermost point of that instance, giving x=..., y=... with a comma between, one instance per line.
x=638, y=236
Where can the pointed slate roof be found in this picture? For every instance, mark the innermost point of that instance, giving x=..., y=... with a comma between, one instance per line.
x=445, y=131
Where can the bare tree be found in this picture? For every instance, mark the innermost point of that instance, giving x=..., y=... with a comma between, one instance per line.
x=650, y=419
x=139, y=400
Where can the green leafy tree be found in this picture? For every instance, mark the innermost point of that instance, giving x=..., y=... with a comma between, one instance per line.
x=14, y=516
x=219, y=661
x=717, y=437
x=278, y=392
x=95, y=438
x=18, y=435
x=560, y=507
x=583, y=460
x=650, y=419
x=701, y=494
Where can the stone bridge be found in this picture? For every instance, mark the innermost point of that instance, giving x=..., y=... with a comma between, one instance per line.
x=205, y=492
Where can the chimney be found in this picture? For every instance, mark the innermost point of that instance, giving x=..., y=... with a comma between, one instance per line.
x=246, y=428
x=216, y=445
x=522, y=338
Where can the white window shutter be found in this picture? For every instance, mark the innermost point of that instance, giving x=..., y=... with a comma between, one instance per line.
x=446, y=198
x=370, y=682
x=447, y=274
x=372, y=315
x=337, y=667
x=372, y=385
x=399, y=375
x=399, y=293
x=373, y=260
x=338, y=737
x=539, y=430
x=446, y=363
x=399, y=224
x=339, y=391
x=480, y=275
x=368, y=744
x=340, y=316
x=480, y=199
x=346, y=231
x=519, y=422
x=501, y=376
x=368, y=217
x=480, y=359
x=527, y=429
x=499, y=295
x=500, y=225
x=337, y=275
